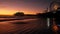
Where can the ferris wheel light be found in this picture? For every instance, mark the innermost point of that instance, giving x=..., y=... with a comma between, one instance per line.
x=55, y=7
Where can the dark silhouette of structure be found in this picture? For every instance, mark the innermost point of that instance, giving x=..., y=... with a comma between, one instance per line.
x=19, y=14
x=57, y=16
x=53, y=14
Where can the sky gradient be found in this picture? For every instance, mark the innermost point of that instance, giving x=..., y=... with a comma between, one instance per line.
x=9, y=7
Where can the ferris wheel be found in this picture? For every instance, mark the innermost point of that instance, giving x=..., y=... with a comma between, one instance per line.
x=54, y=5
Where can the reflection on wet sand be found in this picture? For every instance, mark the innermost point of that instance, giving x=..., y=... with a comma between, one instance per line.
x=25, y=26
x=7, y=27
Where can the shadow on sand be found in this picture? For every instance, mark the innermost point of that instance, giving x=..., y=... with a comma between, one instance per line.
x=19, y=23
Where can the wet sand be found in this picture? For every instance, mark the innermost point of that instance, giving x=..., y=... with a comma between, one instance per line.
x=26, y=26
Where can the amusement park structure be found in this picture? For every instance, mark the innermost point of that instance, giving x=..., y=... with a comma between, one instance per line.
x=53, y=15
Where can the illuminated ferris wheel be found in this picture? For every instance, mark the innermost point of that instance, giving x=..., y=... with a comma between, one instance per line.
x=54, y=5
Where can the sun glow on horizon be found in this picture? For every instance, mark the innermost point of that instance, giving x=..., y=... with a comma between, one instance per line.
x=12, y=12
x=6, y=12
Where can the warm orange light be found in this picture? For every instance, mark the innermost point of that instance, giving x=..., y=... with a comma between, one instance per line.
x=6, y=12
x=11, y=12
x=55, y=28
x=55, y=7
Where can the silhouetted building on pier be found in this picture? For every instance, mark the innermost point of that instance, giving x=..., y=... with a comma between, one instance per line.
x=19, y=14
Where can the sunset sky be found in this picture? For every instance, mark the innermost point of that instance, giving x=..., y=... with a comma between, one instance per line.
x=9, y=7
